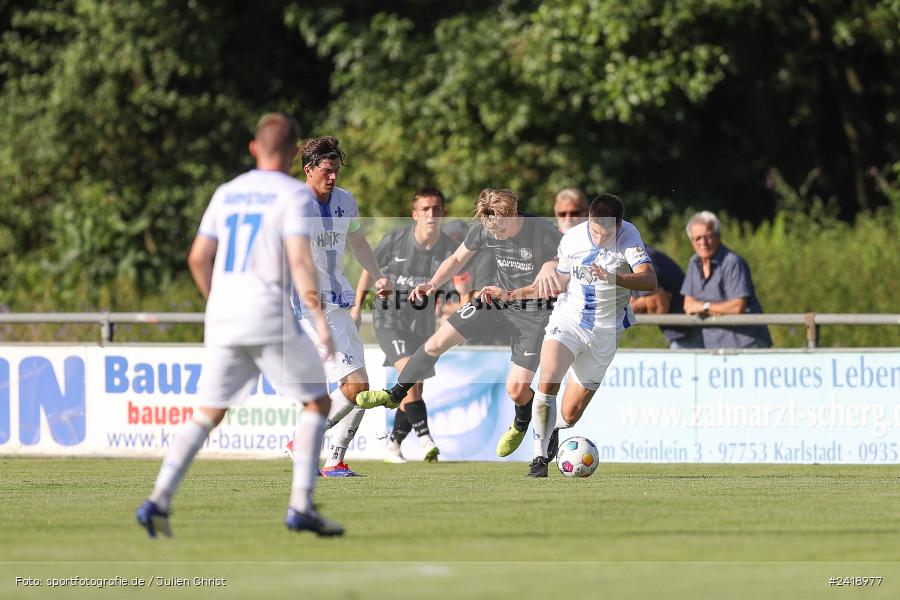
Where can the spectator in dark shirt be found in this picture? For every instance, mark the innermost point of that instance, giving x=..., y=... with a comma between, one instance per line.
x=718, y=282
x=667, y=299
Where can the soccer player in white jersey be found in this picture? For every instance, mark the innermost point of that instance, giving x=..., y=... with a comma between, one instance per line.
x=600, y=263
x=335, y=224
x=259, y=219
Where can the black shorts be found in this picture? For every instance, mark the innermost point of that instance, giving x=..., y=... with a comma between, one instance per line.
x=526, y=328
x=397, y=343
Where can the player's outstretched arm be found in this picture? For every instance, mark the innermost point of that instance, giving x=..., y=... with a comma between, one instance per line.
x=201, y=260
x=303, y=272
x=447, y=269
x=529, y=292
x=643, y=279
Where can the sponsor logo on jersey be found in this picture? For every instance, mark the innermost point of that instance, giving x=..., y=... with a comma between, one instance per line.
x=328, y=239
x=515, y=264
x=583, y=273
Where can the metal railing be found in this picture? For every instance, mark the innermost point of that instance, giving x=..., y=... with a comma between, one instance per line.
x=811, y=321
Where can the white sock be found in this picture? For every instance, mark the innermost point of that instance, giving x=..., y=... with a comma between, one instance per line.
x=307, y=442
x=340, y=407
x=543, y=420
x=187, y=442
x=343, y=434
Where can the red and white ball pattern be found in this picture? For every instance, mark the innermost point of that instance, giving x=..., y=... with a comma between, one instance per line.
x=577, y=457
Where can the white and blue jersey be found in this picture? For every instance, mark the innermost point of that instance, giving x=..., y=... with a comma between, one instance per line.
x=588, y=302
x=250, y=217
x=329, y=224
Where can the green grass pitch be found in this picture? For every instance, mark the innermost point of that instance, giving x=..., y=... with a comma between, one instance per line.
x=457, y=530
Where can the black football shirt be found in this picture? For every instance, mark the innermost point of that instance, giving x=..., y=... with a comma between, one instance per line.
x=407, y=264
x=519, y=258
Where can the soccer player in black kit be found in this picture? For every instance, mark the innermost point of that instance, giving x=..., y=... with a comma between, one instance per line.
x=408, y=256
x=521, y=244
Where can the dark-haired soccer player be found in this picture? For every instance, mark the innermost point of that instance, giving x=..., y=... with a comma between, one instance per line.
x=521, y=244
x=334, y=225
x=600, y=263
x=408, y=256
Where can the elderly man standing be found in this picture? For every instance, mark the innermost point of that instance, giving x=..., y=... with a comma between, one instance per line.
x=718, y=282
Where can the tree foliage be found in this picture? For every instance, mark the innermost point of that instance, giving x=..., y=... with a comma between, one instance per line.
x=117, y=119
x=673, y=103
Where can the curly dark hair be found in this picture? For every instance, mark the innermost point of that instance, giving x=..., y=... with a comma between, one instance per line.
x=316, y=150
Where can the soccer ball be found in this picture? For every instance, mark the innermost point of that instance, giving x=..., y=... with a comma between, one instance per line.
x=578, y=457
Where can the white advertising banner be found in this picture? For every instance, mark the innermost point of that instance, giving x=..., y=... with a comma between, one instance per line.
x=653, y=406
x=129, y=401
x=815, y=407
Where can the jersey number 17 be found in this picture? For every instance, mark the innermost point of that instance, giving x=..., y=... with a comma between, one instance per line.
x=234, y=222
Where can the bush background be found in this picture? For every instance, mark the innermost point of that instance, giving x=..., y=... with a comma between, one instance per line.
x=118, y=119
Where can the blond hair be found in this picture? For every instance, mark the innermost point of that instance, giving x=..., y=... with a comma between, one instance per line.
x=495, y=203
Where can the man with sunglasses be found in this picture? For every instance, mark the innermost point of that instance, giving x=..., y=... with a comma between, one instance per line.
x=335, y=224
x=570, y=208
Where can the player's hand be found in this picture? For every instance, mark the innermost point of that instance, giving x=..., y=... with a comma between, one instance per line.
x=356, y=314
x=489, y=293
x=547, y=281
x=383, y=287
x=326, y=343
x=602, y=274
x=421, y=291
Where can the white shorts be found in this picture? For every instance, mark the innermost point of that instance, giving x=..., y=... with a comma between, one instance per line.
x=292, y=367
x=593, y=350
x=349, y=354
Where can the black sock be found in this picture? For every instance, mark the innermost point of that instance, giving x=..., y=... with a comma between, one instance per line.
x=523, y=415
x=416, y=369
x=418, y=417
x=401, y=428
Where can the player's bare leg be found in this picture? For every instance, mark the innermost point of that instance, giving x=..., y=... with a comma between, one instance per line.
x=417, y=368
x=556, y=359
x=153, y=514
x=302, y=514
x=575, y=400
x=345, y=417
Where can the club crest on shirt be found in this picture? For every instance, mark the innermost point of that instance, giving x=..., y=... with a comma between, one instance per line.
x=525, y=253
